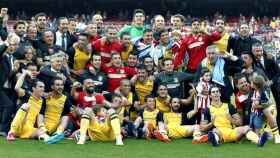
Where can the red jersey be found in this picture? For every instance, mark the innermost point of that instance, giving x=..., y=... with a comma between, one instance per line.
x=84, y=101
x=106, y=48
x=241, y=100
x=115, y=75
x=195, y=46
x=94, y=38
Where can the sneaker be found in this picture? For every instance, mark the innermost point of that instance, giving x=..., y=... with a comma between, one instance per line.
x=212, y=138
x=76, y=135
x=11, y=136
x=263, y=139
x=56, y=138
x=119, y=141
x=161, y=137
x=277, y=140
x=201, y=139
x=4, y=134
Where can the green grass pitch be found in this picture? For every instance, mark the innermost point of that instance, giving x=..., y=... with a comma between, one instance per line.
x=181, y=148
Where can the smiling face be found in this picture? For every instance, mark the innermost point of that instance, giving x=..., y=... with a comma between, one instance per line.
x=215, y=94
x=220, y=25
x=175, y=104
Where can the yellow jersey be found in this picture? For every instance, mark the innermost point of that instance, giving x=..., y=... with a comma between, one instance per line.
x=221, y=115
x=161, y=106
x=222, y=43
x=80, y=59
x=144, y=89
x=55, y=109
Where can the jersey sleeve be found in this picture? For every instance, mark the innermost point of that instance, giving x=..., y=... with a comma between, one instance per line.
x=67, y=107
x=159, y=117
x=99, y=99
x=207, y=115
x=43, y=108
x=140, y=113
x=232, y=109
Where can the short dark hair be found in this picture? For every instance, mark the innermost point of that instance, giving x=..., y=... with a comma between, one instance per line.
x=141, y=67
x=219, y=18
x=110, y=27
x=180, y=16
x=196, y=20
x=60, y=19
x=238, y=76
x=166, y=59
x=147, y=30
x=20, y=22
x=35, y=82
x=161, y=31
x=123, y=34
x=55, y=79
x=204, y=71
x=39, y=15
x=113, y=54
x=148, y=96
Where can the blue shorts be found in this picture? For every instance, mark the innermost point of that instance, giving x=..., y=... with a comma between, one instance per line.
x=256, y=121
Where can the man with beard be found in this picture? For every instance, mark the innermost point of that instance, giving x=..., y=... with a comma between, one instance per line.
x=143, y=84
x=107, y=45
x=93, y=71
x=84, y=96
x=56, y=111
x=127, y=47
x=176, y=121
x=41, y=22
x=242, y=99
x=137, y=27
x=20, y=29
x=223, y=42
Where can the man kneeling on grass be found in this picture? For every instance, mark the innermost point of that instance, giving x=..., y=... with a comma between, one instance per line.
x=104, y=125
x=24, y=123
x=223, y=116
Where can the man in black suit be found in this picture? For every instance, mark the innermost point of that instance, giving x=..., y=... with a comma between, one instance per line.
x=62, y=35
x=55, y=69
x=8, y=69
x=266, y=62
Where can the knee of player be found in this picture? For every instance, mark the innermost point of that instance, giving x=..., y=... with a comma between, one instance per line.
x=25, y=106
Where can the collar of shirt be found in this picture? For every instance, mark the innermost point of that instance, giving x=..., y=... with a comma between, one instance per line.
x=54, y=70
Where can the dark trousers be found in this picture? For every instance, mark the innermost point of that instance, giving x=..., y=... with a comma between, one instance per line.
x=275, y=89
x=7, y=108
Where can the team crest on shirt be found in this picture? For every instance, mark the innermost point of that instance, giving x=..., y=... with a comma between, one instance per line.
x=200, y=39
x=122, y=71
x=100, y=78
